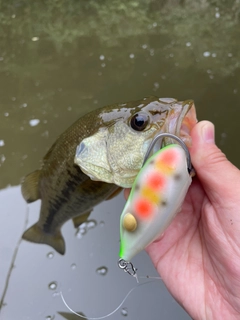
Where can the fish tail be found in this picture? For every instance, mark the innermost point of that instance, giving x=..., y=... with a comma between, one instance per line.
x=30, y=190
x=36, y=234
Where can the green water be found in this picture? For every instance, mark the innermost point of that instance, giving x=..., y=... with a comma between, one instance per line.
x=60, y=59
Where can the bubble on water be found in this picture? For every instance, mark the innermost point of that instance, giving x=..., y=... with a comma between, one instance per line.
x=171, y=55
x=1, y=58
x=24, y=105
x=6, y=114
x=154, y=24
x=235, y=91
x=2, y=143
x=69, y=108
x=124, y=312
x=102, y=271
x=2, y=159
x=230, y=55
x=151, y=52
x=50, y=317
x=91, y=224
x=144, y=46
x=156, y=85
x=50, y=255
x=34, y=122
x=73, y=266
x=13, y=98
x=214, y=55
x=35, y=39
x=52, y=285
x=102, y=223
x=101, y=57
x=206, y=54
x=80, y=232
x=45, y=134
x=188, y=44
x=131, y=56
x=217, y=15
x=103, y=65
x=84, y=227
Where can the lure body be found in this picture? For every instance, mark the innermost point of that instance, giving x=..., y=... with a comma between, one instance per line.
x=156, y=197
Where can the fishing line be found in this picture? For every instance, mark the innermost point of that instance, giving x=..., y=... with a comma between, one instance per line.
x=119, y=306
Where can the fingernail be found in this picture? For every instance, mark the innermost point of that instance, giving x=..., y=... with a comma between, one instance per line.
x=208, y=132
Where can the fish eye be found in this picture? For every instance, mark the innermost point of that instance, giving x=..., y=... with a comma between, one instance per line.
x=139, y=121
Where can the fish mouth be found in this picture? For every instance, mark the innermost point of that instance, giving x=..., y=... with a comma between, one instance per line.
x=182, y=120
x=186, y=121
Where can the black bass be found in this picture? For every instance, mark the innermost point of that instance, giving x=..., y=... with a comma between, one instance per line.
x=116, y=137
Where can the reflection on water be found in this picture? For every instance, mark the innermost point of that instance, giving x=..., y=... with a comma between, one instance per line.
x=61, y=59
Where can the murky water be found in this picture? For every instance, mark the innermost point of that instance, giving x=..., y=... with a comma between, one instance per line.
x=61, y=59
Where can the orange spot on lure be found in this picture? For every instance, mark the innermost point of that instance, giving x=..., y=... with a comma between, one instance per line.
x=155, y=199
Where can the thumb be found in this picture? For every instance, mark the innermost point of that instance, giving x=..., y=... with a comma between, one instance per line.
x=219, y=177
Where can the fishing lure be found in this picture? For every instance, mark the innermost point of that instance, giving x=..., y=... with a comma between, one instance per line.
x=156, y=197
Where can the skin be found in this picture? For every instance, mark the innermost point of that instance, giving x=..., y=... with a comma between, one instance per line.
x=198, y=257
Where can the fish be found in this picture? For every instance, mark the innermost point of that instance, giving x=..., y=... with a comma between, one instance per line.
x=155, y=198
x=67, y=192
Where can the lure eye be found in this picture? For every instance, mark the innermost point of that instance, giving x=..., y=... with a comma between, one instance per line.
x=139, y=121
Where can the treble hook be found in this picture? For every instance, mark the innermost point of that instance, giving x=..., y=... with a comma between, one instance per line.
x=127, y=267
x=179, y=140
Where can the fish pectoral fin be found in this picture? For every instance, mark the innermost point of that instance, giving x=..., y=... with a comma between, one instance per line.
x=30, y=190
x=78, y=220
x=37, y=235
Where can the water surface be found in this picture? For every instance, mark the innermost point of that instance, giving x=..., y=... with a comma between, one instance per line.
x=62, y=59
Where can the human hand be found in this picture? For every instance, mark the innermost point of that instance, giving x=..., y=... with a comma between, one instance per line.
x=198, y=257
